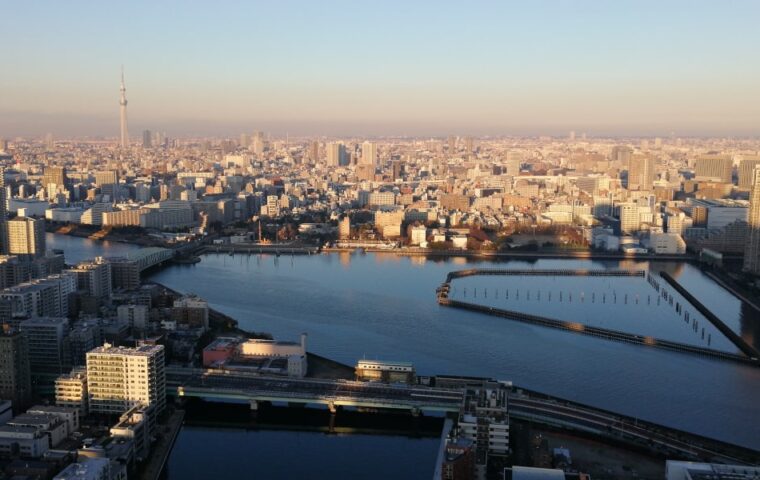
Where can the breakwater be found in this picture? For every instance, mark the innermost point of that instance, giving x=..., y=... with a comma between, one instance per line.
x=442, y=294
x=743, y=346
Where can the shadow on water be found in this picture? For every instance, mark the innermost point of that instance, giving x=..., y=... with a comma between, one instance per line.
x=300, y=418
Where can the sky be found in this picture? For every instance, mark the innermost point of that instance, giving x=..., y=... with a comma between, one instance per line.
x=375, y=68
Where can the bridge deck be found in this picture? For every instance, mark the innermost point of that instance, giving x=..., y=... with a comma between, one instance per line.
x=209, y=384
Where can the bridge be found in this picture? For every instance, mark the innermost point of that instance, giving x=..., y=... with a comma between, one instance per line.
x=225, y=385
x=150, y=257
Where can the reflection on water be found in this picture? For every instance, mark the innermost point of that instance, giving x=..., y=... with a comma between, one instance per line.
x=242, y=444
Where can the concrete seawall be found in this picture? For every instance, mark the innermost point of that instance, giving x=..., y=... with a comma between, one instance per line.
x=615, y=335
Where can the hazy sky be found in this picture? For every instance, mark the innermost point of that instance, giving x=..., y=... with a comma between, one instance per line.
x=382, y=67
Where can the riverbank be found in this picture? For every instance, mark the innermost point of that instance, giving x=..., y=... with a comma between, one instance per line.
x=134, y=236
x=161, y=449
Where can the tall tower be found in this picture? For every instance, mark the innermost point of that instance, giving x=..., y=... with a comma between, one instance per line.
x=123, y=112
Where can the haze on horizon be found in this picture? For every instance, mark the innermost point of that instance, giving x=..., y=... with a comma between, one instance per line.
x=382, y=68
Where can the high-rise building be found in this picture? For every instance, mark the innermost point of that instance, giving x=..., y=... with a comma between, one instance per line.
x=469, y=144
x=124, y=133
x=641, y=173
x=94, y=278
x=336, y=155
x=3, y=213
x=314, y=152
x=48, y=348
x=746, y=169
x=15, y=375
x=451, y=142
x=398, y=170
x=714, y=168
x=752, y=247
x=147, y=139
x=118, y=378
x=369, y=153
x=344, y=228
x=108, y=182
x=26, y=236
x=257, y=143
x=54, y=176
x=629, y=218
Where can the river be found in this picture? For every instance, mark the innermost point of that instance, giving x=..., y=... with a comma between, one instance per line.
x=383, y=306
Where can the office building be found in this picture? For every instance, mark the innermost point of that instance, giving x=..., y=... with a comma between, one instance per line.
x=26, y=237
x=15, y=373
x=714, y=168
x=118, y=378
x=47, y=339
x=752, y=247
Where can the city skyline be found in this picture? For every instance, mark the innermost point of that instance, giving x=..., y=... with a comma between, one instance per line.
x=632, y=68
